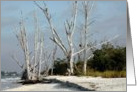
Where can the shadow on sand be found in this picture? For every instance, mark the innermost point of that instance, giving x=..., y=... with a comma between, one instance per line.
x=61, y=84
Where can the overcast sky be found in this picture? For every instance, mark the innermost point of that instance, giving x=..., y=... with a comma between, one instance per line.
x=110, y=19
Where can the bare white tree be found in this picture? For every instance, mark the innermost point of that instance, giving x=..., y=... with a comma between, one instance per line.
x=87, y=9
x=32, y=63
x=69, y=28
x=87, y=46
x=53, y=58
x=22, y=38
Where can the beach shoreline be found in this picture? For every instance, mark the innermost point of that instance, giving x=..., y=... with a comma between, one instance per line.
x=64, y=83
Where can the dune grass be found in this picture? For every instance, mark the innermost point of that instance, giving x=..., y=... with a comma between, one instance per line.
x=105, y=74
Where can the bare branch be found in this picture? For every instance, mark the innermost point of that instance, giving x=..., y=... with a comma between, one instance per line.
x=96, y=45
x=38, y=5
x=60, y=45
x=16, y=60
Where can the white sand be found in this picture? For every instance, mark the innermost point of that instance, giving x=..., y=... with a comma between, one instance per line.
x=41, y=87
x=99, y=84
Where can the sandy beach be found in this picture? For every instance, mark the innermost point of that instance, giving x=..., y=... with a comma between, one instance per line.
x=91, y=83
x=41, y=87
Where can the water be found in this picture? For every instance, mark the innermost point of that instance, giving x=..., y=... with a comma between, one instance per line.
x=9, y=82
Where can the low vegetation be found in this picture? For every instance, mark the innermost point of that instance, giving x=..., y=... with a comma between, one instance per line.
x=108, y=62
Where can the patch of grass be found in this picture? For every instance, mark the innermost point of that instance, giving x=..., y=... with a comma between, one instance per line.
x=105, y=74
x=114, y=74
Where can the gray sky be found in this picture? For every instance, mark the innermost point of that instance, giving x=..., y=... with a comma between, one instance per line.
x=110, y=19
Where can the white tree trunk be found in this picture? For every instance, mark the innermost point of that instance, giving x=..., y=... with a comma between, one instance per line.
x=87, y=10
x=53, y=56
x=71, y=62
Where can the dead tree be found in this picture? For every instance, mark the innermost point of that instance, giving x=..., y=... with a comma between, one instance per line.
x=87, y=8
x=69, y=28
x=53, y=58
x=47, y=63
x=32, y=65
x=86, y=46
x=22, y=38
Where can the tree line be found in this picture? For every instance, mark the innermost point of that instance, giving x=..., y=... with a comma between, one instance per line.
x=107, y=59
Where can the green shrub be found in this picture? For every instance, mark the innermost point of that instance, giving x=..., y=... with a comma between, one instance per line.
x=108, y=58
x=60, y=67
